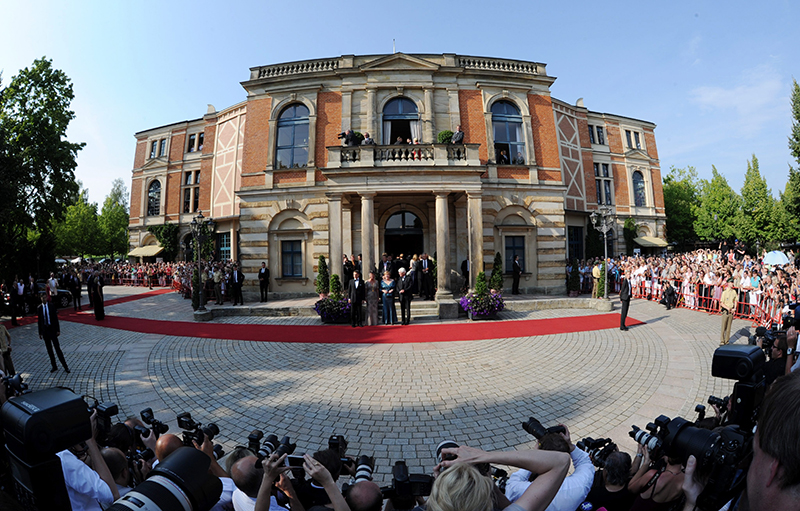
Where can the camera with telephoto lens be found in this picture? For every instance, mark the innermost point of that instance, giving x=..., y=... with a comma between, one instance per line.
x=271, y=445
x=137, y=458
x=535, y=428
x=721, y=402
x=598, y=449
x=104, y=413
x=647, y=438
x=724, y=454
x=406, y=486
x=365, y=466
x=254, y=440
x=158, y=427
x=196, y=432
x=14, y=385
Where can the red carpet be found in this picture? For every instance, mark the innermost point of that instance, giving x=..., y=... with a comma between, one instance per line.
x=346, y=334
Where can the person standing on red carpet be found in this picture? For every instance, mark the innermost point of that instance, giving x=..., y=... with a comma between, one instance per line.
x=49, y=330
x=625, y=299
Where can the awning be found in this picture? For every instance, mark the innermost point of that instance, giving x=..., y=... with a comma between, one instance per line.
x=650, y=241
x=148, y=251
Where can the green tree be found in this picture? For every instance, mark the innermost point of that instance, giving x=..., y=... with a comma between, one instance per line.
x=756, y=218
x=167, y=236
x=37, y=162
x=681, y=201
x=630, y=231
x=323, y=282
x=719, y=209
x=789, y=207
x=79, y=232
x=496, y=280
x=114, y=220
x=794, y=138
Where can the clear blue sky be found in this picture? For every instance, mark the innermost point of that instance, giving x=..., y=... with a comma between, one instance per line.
x=714, y=77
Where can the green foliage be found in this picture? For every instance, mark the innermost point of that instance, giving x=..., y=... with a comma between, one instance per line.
x=789, y=207
x=336, y=288
x=681, y=202
x=359, y=137
x=167, y=236
x=601, y=281
x=574, y=283
x=114, y=221
x=444, y=136
x=719, y=209
x=37, y=162
x=794, y=138
x=207, y=249
x=323, y=284
x=79, y=232
x=630, y=233
x=757, y=207
x=480, y=284
x=496, y=280
x=195, y=289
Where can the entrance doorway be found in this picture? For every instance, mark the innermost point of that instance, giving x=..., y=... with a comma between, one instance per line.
x=403, y=234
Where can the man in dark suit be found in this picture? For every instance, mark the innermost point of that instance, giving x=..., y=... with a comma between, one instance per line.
x=426, y=269
x=347, y=271
x=516, y=272
x=237, y=277
x=263, y=281
x=625, y=299
x=405, y=288
x=49, y=330
x=356, y=292
x=458, y=136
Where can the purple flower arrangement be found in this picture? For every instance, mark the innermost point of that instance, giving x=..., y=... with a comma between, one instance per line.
x=332, y=311
x=485, y=304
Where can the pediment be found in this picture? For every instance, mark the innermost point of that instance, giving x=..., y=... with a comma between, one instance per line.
x=400, y=61
x=637, y=154
x=154, y=163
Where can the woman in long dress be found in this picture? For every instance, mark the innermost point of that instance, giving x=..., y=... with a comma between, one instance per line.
x=387, y=290
x=373, y=296
x=99, y=305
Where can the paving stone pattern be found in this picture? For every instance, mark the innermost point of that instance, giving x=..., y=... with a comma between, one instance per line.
x=393, y=401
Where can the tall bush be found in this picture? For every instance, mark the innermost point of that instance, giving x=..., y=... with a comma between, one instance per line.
x=336, y=288
x=323, y=278
x=444, y=136
x=496, y=280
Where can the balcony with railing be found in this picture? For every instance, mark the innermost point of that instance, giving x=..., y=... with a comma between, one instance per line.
x=417, y=155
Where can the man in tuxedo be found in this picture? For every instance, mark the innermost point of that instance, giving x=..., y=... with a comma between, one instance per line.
x=625, y=299
x=426, y=267
x=458, y=136
x=263, y=281
x=385, y=265
x=355, y=295
x=405, y=290
x=516, y=272
x=237, y=277
x=49, y=330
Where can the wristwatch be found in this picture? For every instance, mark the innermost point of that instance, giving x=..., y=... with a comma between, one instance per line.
x=790, y=351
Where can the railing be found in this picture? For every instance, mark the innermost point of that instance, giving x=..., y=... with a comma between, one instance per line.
x=295, y=68
x=511, y=66
x=403, y=155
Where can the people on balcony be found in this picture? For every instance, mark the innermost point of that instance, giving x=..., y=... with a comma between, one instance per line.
x=458, y=136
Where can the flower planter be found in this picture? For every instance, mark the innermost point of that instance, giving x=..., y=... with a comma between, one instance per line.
x=333, y=311
x=481, y=317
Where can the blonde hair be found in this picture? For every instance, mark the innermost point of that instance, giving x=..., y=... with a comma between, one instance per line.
x=461, y=488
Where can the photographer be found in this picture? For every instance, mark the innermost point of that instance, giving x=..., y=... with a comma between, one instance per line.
x=773, y=479
x=463, y=488
x=248, y=479
x=791, y=349
x=315, y=470
x=88, y=488
x=575, y=487
x=311, y=492
x=658, y=485
x=777, y=363
x=118, y=466
x=610, y=487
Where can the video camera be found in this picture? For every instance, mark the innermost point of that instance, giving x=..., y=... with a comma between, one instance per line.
x=195, y=432
x=598, y=449
x=723, y=455
x=158, y=427
x=535, y=428
x=405, y=486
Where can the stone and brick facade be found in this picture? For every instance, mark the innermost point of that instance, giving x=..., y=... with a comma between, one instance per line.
x=274, y=175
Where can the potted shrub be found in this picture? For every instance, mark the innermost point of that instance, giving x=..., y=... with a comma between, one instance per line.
x=482, y=304
x=323, y=279
x=574, y=282
x=334, y=308
x=496, y=280
x=444, y=136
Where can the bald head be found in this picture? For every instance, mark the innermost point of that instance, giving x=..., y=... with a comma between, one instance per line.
x=117, y=464
x=166, y=445
x=246, y=476
x=365, y=496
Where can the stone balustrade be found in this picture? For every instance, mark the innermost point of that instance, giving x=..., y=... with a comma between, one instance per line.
x=418, y=155
x=511, y=66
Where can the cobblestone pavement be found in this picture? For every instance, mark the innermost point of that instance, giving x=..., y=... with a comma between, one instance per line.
x=393, y=401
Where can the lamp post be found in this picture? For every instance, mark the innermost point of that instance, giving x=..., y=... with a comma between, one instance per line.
x=200, y=236
x=604, y=226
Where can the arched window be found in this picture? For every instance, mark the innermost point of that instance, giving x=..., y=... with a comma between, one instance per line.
x=154, y=198
x=638, y=189
x=292, y=148
x=507, y=127
x=400, y=120
x=403, y=234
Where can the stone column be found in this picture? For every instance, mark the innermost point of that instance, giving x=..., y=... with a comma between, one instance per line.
x=335, y=234
x=367, y=231
x=442, y=247
x=475, y=222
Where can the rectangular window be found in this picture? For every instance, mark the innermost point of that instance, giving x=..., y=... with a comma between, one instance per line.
x=575, y=243
x=200, y=137
x=188, y=179
x=636, y=139
x=187, y=200
x=196, y=200
x=591, y=134
x=628, y=138
x=597, y=170
x=515, y=246
x=292, y=258
x=190, y=146
x=599, y=186
x=224, y=246
x=153, y=148
x=605, y=170
x=601, y=137
x=607, y=191
x=162, y=147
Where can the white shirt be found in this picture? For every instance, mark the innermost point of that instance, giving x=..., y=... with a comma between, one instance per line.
x=241, y=502
x=573, y=490
x=85, y=488
x=224, y=503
